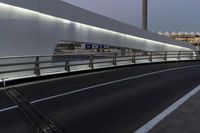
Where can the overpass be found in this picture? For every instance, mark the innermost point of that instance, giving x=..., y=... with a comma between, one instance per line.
x=35, y=27
x=111, y=93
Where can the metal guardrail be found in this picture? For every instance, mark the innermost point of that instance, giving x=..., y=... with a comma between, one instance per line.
x=34, y=65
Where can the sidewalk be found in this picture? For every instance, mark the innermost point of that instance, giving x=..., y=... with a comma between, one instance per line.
x=185, y=119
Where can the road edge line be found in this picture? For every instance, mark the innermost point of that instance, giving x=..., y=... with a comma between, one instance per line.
x=152, y=123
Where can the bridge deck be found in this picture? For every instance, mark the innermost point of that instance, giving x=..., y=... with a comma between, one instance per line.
x=110, y=101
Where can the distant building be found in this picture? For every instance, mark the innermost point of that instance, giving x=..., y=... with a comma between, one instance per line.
x=188, y=37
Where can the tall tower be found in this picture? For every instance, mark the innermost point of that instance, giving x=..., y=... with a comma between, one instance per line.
x=144, y=14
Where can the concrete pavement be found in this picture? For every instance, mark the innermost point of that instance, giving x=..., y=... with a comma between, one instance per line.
x=185, y=119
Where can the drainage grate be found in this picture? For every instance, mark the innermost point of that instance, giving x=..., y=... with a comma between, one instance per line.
x=42, y=123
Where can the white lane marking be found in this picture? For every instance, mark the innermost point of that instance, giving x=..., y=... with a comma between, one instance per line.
x=152, y=123
x=9, y=108
x=111, y=82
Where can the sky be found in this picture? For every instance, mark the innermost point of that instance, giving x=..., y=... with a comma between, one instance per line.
x=164, y=15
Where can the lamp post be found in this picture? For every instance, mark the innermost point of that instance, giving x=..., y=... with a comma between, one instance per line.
x=144, y=14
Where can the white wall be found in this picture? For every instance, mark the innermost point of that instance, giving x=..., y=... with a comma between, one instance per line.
x=29, y=30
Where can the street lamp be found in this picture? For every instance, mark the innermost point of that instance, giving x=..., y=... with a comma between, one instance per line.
x=144, y=14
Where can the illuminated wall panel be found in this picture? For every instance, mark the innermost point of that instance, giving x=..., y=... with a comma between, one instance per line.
x=33, y=31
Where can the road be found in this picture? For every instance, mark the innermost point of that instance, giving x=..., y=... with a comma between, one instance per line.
x=109, y=101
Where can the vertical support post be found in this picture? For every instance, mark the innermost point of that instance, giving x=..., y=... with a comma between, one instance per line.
x=150, y=57
x=115, y=59
x=133, y=58
x=91, y=64
x=37, y=66
x=67, y=66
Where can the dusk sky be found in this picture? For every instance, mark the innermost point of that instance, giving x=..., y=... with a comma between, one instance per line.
x=164, y=15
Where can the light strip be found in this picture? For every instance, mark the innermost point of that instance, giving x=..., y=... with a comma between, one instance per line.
x=3, y=5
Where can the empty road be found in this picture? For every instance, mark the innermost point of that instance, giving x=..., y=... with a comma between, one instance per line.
x=108, y=101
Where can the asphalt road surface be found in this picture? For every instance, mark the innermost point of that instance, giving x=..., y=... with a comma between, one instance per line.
x=109, y=101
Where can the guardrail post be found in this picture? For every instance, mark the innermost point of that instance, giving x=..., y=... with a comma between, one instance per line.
x=179, y=55
x=197, y=56
x=37, y=66
x=67, y=66
x=192, y=56
x=4, y=82
x=150, y=57
x=91, y=64
x=115, y=59
x=133, y=58
x=165, y=56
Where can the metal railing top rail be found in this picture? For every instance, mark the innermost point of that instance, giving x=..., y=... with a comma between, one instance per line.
x=50, y=55
x=57, y=55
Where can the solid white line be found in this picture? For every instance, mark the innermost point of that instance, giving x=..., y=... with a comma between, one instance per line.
x=9, y=108
x=151, y=124
x=111, y=82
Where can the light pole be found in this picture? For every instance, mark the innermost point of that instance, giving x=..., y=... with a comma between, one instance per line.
x=144, y=14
